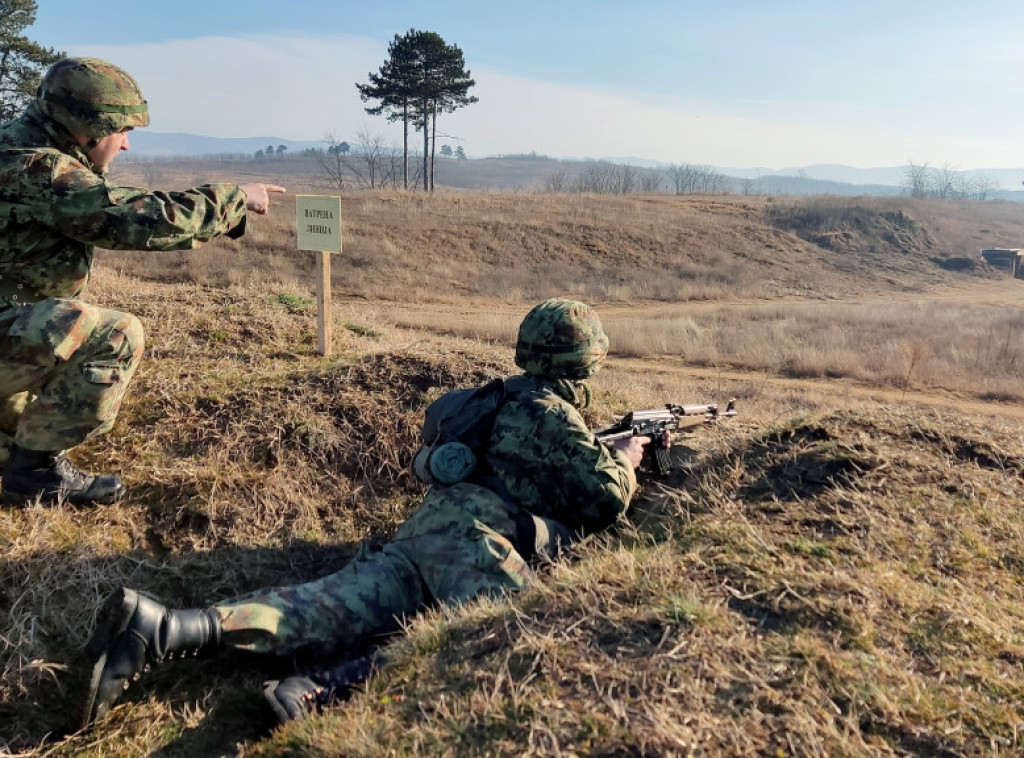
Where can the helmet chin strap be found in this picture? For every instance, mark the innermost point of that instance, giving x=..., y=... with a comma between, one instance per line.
x=575, y=391
x=588, y=394
x=88, y=144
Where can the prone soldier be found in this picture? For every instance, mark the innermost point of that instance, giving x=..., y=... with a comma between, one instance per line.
x=544, y=481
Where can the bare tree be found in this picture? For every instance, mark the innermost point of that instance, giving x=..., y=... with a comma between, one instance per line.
x=753, y=186
x=712, y=182
x=605, y=178
x=944, y=181
x=557, y=181
x=915, y=179
x=596, y=177
x=627, y=180
x=152, y=173
x=984, y=186
x=371, y=165
x=682, y=178
x=650, y=181
x=689, y=179
x=331, y=163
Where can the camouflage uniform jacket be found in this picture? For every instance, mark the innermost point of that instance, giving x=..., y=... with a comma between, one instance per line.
x=461, y=542
x=55, y=206
x=549, y=462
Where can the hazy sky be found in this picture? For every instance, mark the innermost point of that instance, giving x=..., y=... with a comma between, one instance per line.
x=739, y=84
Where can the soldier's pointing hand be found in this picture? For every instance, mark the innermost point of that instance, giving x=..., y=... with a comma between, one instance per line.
x=257, y=197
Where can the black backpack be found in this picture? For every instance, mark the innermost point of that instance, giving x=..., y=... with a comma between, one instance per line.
x=457, y=430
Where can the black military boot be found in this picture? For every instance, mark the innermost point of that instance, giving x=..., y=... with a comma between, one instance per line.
x=297, y=697
x=134, y=632
x=50, y=477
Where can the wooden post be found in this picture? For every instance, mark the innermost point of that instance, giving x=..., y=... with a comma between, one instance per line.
x=318, y=223
x=324, y=329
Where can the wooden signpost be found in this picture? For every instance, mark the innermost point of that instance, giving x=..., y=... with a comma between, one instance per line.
x=318, y=220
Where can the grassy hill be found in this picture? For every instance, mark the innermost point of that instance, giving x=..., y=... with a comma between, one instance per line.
x=837, y=571
x=511, y=246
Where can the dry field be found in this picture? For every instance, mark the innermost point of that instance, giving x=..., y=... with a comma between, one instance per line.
x=837, y=571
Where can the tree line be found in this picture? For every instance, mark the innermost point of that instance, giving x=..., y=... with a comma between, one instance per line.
x=947, y=182
x=606, y=178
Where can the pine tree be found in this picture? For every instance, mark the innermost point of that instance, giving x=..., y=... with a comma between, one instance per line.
x=422, y=77
x=21, y=60
x=444, y=89
x=393, y=86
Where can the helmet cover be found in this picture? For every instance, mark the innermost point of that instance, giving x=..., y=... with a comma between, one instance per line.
x=92, y=97
x=561, y=339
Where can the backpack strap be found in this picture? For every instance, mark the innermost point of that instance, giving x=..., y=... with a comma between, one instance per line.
x=457, y=423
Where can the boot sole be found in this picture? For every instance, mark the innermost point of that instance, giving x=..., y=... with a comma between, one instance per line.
x=275, y=704
x=47, y=499
x=111, y=621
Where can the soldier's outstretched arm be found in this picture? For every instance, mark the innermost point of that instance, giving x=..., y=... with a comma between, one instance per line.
x=90, y=209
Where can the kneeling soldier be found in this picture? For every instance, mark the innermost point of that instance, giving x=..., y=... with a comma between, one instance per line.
x=65, y=364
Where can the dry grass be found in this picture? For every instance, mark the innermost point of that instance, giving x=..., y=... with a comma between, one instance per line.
x=509, y=247
x=964, y=348
x=969, y=349
x=833, y=573
x=847, y=584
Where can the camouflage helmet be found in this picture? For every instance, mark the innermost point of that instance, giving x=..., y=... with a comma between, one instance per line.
x=92, y=97
x=561, y=339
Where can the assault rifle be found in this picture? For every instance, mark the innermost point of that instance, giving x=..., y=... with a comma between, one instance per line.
x=654, y=422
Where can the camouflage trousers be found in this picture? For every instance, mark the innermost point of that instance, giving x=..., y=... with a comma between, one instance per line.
x=456, y=546
x=64, y=369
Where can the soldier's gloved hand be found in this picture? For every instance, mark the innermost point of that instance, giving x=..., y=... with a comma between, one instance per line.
x=257, y=198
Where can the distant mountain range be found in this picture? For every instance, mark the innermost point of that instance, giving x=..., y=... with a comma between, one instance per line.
x=147, y=144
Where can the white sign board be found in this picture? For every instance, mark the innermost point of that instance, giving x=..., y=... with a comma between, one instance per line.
x=318, y=223
x=318, y=220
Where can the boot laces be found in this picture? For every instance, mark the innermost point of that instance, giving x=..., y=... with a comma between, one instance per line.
x=74, y=478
